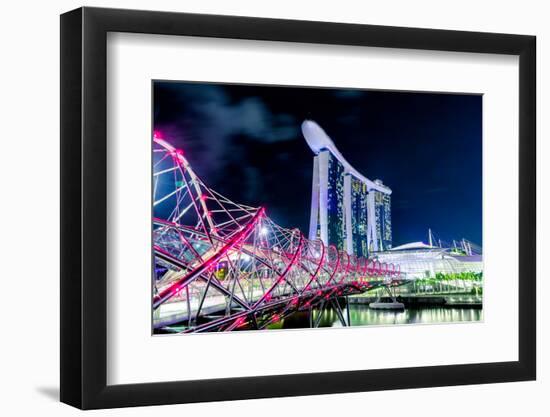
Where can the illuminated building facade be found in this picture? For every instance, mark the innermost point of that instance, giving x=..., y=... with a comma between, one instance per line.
x=347, y=209
x=419, y=260
x=359, y=217
x=336, y=232
x=382, y=208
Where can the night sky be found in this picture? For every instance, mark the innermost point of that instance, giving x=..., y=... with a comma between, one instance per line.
x=245, y=142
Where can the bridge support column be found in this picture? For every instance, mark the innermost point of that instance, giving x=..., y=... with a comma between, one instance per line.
x=347, y=311
x=317, y=321
x=336, y=305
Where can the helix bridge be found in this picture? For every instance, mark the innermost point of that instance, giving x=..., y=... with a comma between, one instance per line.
x=223, y=266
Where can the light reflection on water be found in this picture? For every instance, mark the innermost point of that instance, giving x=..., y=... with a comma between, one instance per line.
x=362, y=315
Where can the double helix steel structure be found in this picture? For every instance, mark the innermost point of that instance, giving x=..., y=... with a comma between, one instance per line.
x=223, y=266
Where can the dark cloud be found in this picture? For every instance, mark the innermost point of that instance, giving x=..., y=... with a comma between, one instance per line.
x=211, y=106
x=212, y=125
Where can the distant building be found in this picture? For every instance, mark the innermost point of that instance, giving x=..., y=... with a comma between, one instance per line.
x=335, y=226
x=382, y=208
x=420, y=260
x=347, y=209
x=359, y=217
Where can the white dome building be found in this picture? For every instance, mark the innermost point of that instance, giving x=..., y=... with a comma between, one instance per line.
x=419, y=260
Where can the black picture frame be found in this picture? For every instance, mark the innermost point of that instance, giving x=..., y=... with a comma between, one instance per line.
x=84, y=207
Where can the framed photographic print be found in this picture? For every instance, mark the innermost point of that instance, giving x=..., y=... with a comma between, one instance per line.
x=257, y=208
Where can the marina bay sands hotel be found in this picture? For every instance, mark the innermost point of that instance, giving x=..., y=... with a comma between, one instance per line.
x=348, y=210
